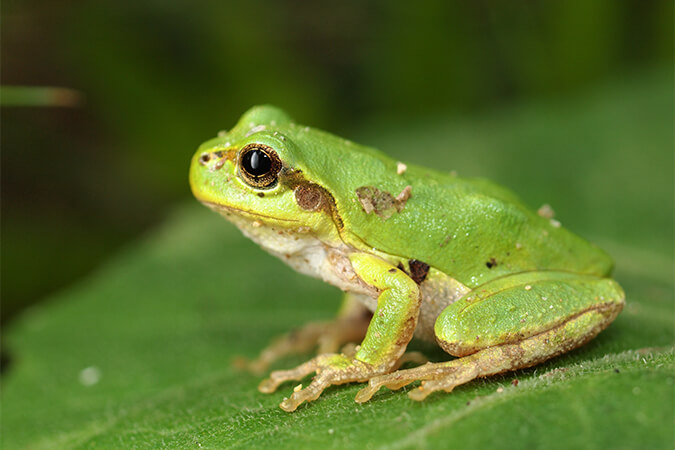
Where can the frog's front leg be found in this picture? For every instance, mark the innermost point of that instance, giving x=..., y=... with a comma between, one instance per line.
x=389, y=332
x=350, y=325
x=508, y=324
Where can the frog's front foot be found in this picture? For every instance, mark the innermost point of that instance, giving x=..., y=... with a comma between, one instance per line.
x=331, y=369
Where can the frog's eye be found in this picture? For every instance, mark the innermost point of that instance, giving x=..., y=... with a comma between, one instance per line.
x=259, y=165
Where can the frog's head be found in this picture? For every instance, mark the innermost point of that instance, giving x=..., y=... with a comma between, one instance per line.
x=254, y=176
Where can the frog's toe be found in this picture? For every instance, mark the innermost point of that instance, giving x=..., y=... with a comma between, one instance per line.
x=411, y=357
x=421, y=393
x=400, y=378
x=308, y=394
x=331, y=369
x=326, y=375
x=269, y=385
x=391, y=380
x=445, y=379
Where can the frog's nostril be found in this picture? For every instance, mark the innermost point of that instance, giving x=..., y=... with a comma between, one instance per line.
x=204, y=158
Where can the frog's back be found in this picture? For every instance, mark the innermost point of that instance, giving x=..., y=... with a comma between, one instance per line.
x=490, y=233
x=471, y=229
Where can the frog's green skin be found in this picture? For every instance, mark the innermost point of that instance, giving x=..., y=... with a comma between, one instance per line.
x=459, y=260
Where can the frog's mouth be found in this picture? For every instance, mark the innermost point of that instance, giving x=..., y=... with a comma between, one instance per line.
x=244, y=213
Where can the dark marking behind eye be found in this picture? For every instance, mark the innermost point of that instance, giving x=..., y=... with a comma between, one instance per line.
x=418, y=270
x=294, y=178
x=309, y=196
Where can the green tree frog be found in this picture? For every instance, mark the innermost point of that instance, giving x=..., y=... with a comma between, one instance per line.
x=459, y=262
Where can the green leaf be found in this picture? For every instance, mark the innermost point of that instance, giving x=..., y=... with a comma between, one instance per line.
x=139, y=354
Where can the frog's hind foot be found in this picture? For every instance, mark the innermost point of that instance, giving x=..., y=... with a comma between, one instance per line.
x=489, y=361
x=326, y=337
x=299, y=341
x=401, y=378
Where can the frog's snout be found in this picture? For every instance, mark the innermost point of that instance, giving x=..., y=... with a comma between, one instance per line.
x=206, y=170
x=212, y=160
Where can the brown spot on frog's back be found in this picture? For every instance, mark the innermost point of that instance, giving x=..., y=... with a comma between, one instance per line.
x=380, y=202
x=403, y=197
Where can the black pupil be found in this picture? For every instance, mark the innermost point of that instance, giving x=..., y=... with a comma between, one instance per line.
x=257, y=163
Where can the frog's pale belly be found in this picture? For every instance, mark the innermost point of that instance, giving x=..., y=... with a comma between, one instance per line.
x=310, y=256
x=438, y=291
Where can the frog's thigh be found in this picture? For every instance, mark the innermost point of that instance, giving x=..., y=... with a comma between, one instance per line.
x=509, y=324
x=512, y=309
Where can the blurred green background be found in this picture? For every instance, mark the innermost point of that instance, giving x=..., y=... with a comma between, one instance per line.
x=103, y=103
x=86, y=170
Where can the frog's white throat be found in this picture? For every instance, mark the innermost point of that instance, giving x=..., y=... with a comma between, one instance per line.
x=303, y=251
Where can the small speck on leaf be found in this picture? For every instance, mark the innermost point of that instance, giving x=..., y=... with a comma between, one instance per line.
x=546, y=211
x=90, y=376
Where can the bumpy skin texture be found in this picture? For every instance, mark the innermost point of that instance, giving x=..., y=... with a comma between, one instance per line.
x=406, y=239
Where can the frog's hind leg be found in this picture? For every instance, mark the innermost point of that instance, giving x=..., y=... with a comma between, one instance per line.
x=350, y=325
x=491, y=361
x=475, y=362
